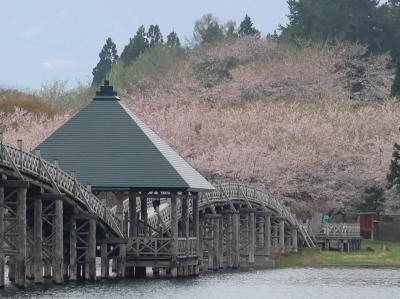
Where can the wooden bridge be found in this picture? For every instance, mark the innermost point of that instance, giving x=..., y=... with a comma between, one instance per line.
x=53, y=226
x=167, y=216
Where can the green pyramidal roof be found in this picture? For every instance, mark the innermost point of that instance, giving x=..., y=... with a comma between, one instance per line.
x=110, y=148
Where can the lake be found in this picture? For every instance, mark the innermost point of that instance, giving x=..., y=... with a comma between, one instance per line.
x=279, y=283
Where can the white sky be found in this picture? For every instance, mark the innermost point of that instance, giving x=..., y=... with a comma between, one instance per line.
x=46, y=40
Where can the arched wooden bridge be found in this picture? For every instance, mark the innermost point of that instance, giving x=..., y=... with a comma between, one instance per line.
x=52, y=226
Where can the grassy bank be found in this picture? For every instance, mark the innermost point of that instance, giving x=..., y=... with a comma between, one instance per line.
x=363, y=257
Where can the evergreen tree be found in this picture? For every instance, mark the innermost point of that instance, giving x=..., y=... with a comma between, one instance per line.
x=393, y=177
x=173, y=40
x=246, y=27
x=372, y=201
x=154, y=35
x=137, y=45
x=108, y=57
x=230, y=29
x=208, y=30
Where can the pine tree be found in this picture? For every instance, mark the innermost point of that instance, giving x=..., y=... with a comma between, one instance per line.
x=246, y=27
x=173, y=40
x=137, y=45
x=372, y=201
x=154, y=35
x=393, y=177
x=108, y=57
x=208, y=30
x=230, y=29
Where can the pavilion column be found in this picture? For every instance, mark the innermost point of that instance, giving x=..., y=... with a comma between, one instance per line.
x=20, y=261
x=174, y=234
x=267, y=236
x=132, y=215
x=282, y=235
x=120, y=209
x=2, y=231
x=38, y=241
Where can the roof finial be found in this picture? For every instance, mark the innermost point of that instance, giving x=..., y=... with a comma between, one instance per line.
x=106, y=83
x=106, y=92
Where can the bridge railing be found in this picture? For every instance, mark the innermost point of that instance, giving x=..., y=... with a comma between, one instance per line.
x=160, y=247
x=339, y=230
x=25, y=162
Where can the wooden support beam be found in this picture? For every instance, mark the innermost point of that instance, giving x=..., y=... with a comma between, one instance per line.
x=58, y=254
x=133, y=229
x=195, y=208
x=92, y=250
x=174, y=234
x=235, y=240
x=294, y=240
x=38, y=242
x=2, y=231
x=221, y=242
x=14, y=184
x=216, y=240
x=73, y=264
x=121, y=265
x=104, y=260
x=252, y=236
x=267, y=236
x=282, y=235
x=143, y=214
x=120, y=208
x=20, y=261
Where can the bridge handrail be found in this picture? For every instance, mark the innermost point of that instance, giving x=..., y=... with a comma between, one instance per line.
x=339, y=230
x=34, y=165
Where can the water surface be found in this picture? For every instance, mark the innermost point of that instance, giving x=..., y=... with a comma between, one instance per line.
x=282, y=283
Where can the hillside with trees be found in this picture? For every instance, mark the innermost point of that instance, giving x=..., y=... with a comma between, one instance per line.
x=309, y=112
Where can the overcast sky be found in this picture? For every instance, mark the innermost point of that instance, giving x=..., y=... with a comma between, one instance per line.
x=46, y=40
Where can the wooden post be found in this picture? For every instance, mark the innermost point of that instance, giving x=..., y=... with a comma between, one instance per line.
x=92, y=249
x=20, y=261
x=195, y=207
x=2, y=231
x=73, y=266
x=252, y=236
x=267, y=236
x=294, y=239
x=185, y=220
x=221, y=242
x=282, y=235
x=143, y=213
x=235, y=240
x=174, y=235
x=216, y=255
x=121, y=265
x=229, y=254
x=58, y=254
x=104, y=261
x=120, y=209
x=132, y=215
x=38, y=241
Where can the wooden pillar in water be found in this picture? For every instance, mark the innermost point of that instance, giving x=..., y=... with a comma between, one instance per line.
x=2, y=231
x=38, y=242
x=58, y=253
x=20, y=261
x=92, y=249
x=104, y=261
x=143, y=213
x=196, y=230
x=221, y=242
x=73, y=265
x=216, y=240
x=120, y=209
x=267, y=236
x=252, y=236
x=282, y=235
x=121, y=265
x=174, y=234
x=235, y=240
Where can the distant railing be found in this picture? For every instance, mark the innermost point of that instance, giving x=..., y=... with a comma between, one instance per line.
x=339, y=230
x=25, y=162
x=160, y=247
